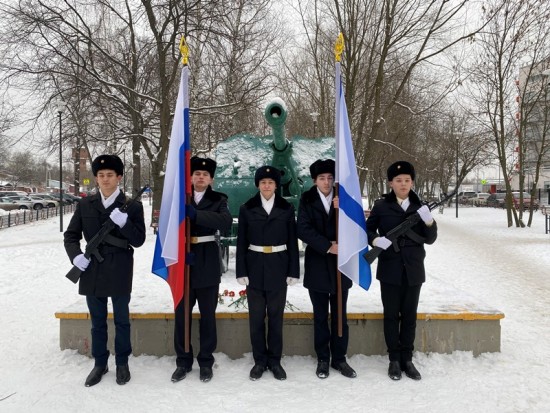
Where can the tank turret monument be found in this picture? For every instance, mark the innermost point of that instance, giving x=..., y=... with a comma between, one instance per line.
x=239, y=156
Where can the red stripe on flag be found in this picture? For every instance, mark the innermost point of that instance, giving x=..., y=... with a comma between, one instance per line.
x=188, y=173
x=176, y=272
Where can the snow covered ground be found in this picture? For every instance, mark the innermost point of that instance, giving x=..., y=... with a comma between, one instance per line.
x=497, y=267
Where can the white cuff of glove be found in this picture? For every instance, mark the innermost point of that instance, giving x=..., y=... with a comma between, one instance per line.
x=290, y=281
x=119, y=217
x=382, y=242
x=81, y=262
x=242, y=280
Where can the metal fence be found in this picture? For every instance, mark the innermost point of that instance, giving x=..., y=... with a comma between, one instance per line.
x=25, y=216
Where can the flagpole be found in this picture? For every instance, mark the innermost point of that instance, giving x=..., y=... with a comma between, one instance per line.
x=338, y=49
x=184, y=50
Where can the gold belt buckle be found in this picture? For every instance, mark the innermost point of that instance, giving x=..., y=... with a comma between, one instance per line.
x=194, y=240
x=268, y=249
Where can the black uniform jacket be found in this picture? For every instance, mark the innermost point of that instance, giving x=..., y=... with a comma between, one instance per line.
x=267, y=272
x=317, y=229
x=385, y=215
x=113, y=276
x=212, y=214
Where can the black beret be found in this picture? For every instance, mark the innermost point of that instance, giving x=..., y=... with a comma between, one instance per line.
x=327, y=166
x=112, y=162
x=400, y=167
x=267, y=172
x=203, y=164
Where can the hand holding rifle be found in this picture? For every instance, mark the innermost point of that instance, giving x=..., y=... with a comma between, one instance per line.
x=423, y=213
x=81, y=262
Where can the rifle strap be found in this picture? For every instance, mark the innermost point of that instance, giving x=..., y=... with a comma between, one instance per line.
x=415, y=237
x=115, y=241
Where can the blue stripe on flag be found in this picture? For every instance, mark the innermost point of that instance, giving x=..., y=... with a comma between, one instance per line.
x=351, y=208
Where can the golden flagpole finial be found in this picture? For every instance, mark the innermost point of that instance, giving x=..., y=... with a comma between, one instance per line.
x=184, y=50
x=339, y=47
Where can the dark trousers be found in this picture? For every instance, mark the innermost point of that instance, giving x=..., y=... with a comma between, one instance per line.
x=271, y=304
x=208, y=339
x=326, y=339
x=400, y=307
x=121, y=314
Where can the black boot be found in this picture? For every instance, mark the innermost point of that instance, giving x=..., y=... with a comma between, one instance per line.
x=394, y=370
x=411, y=371
x=95, y=375
x=122, y=374
x=345, y=369
x=322, y=369
x=206, y=374
x=257, y=372
x=278, y=372
x=180, y=373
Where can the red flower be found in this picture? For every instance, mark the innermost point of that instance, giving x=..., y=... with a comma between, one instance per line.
x=242, y=292
x=232, y=293
x=225, y=292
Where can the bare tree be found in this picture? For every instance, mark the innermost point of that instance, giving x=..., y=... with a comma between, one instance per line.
x=398, y=67
x=508, y=40
x=116, y=65
x=533, y=118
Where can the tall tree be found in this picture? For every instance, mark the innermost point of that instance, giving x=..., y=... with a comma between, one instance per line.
x=116, y=65
x=508, y=41
x=398, y=66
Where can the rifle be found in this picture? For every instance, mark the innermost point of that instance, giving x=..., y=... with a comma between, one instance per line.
x=92, y=246
x=404, y=227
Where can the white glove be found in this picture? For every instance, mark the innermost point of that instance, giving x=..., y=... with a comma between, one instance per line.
x=382, y=242
x=242, y=280
x=81, y=262
x=290, y=281
x=425, y=214
x=118, y=217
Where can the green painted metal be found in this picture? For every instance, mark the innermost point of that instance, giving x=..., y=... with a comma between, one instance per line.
x=240, y=155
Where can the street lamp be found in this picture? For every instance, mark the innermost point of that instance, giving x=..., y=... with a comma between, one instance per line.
x=60, y=112
x=314, y=115
x=456, y=199
x=124, y=177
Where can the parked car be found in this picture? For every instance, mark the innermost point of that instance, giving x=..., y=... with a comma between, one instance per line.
x=70, y=198
x=10, y=204
x=480, y=199
x=49, y=203
x=464, y=197
x=526, y=201
x=53, y=197
x=13, y=193
x=496, y=200
x=35, y=204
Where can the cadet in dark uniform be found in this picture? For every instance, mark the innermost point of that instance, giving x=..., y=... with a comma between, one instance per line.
x=317, y=229
x=267, y=261
x=113, y=276
x=208, y=212
x=401, y=265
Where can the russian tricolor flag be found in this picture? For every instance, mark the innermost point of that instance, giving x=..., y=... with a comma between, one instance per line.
x=169, y=257
x=352, y=229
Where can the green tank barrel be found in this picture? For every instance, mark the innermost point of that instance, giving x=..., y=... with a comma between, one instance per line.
x=275, y=114
x=291, y=186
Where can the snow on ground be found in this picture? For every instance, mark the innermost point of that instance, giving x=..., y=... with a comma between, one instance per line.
x=476, y=259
